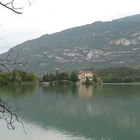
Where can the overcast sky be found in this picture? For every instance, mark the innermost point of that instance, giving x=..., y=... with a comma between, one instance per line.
x=50, y=16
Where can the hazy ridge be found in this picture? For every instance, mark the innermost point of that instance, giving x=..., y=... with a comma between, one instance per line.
x=98, y=45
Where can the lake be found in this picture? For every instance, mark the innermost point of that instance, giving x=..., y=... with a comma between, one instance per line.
x=108, y=112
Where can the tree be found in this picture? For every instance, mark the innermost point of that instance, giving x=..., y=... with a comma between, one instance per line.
x=9, y=116
x=96, y=79
x=5, y=111
x=6, y=62
x=62, y=76
x=74, y=77
x=87, y=81
x=10, y=5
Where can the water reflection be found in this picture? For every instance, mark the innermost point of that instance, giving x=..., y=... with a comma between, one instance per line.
x=80, y=90
x=60, y=89
x=85, y=91
x=17, y=90
x=109, y=112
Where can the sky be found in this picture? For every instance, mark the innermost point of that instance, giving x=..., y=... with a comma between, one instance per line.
x=50, y=16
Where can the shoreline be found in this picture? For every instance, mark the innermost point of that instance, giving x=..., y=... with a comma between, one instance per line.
x=120, y=84
x=78, y=83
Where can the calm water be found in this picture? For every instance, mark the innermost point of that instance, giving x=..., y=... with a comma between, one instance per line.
x=73, y=113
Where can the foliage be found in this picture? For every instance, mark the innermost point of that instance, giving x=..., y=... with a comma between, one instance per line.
x=88, y=82
x=49, y=77
x=16, y=76
x=62, y=76
x=96, y=79
x=73, y=77
x=119, y=75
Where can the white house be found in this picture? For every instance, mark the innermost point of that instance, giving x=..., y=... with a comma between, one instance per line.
x=83, y=75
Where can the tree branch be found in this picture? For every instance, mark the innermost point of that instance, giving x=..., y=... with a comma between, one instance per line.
x=11, y=7
x=31, y=2
x=7, y=61
x=9, y=116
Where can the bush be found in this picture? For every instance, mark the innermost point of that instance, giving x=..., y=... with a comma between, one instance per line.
x=16, y=76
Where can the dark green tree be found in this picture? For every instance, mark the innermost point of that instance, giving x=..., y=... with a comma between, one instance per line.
x=88, y=82
x=73, y=77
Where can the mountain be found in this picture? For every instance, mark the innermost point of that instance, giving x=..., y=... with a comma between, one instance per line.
x=98, y=45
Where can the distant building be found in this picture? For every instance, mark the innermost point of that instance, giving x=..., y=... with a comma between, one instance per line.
x=83, y=75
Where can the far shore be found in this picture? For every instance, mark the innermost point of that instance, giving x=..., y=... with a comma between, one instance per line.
x=120, y=83
x=78, y=83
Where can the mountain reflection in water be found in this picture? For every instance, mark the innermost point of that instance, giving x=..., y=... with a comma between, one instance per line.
x=84, y=112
